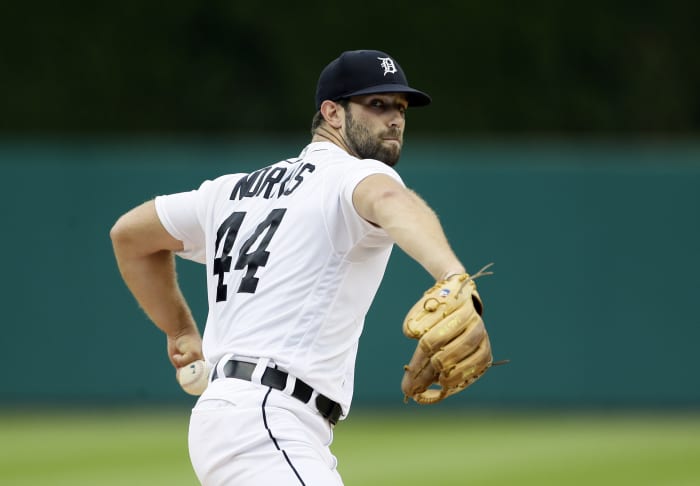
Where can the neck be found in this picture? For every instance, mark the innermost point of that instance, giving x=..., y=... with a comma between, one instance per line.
x=324, y=134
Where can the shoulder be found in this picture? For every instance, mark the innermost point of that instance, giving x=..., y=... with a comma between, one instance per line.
x=360, y=169
x=349, y=167
x=220, y=184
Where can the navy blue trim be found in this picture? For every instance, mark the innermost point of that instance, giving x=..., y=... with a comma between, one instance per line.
x=274, y=441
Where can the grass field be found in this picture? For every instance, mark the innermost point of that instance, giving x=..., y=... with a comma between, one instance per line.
x=109, y=448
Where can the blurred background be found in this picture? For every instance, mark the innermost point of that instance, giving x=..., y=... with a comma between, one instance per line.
x=562, y=144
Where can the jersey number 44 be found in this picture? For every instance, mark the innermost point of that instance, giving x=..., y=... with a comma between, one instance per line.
x=250, y=260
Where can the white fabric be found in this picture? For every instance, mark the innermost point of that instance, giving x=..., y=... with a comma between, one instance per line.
x=247, y=435
x=324, y=263
x=260, y=368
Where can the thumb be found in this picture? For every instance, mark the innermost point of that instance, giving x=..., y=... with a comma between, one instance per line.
x=183, y=359
x=184, y=349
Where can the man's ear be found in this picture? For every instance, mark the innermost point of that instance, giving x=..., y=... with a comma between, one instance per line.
x=333, y=113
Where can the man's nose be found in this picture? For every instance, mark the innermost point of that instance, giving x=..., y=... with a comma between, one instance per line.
x=397, y=119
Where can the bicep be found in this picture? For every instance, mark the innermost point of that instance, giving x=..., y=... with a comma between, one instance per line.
x=141, y=232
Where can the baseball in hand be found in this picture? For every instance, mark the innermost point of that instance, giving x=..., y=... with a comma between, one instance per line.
x=194, y=377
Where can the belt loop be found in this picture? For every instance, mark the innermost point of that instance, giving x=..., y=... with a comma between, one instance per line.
x=312, y=400
x=260, y=368
x=219, y=368
x=291, y=383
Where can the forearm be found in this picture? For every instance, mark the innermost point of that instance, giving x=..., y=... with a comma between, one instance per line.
x=416, y=229
x=153, y=282
x=144, y=253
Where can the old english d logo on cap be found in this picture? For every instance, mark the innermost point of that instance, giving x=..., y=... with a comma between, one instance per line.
x=364, y=72
x=388, y=65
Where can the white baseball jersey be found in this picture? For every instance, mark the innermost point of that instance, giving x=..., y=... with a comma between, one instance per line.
x=291, y=266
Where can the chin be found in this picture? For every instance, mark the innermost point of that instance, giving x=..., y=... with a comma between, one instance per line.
x=391, y=159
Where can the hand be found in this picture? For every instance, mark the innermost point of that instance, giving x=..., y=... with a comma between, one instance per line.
x=185, y=348
x=453, y=348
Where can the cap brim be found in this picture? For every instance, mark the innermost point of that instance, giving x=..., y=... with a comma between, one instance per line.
x=414, y=97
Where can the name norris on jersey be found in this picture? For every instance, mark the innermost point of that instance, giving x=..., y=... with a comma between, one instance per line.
x=271, y=182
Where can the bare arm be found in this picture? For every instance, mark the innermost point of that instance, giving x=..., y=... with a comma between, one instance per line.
x=411, y=223
x=144, y=253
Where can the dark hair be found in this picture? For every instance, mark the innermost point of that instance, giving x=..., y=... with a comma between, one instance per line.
x=318, y=117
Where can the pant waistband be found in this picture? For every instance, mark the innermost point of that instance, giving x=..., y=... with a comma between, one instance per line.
x=277, y=379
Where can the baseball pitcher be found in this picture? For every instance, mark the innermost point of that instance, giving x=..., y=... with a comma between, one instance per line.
x=294, y=253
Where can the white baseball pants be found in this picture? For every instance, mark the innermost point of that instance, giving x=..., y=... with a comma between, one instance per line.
x=246, y=434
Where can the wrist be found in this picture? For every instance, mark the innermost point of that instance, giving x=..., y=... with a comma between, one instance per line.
x=451, y=272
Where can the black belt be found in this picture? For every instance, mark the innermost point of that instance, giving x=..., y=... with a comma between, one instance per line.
x=277, y=379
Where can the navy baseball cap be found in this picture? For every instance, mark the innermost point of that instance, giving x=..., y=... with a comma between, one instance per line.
x=365, y=72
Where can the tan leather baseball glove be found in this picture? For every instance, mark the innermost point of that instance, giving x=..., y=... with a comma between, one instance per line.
x=453, y=348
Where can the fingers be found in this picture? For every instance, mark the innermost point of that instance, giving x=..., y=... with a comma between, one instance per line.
x=461, y=347
x=453, y=349
x=182, y=359
x=419, y=374
x=470, y=369
x=184, y=349
x=462, y=321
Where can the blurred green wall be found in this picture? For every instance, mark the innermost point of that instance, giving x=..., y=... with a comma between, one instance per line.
x=593, y=299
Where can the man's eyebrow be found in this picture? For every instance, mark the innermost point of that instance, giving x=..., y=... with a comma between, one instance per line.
x=387, y=98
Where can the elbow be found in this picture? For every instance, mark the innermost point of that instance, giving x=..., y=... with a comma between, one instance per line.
x=120, y=234
x=138, y=233
x=115, y=233
x=125, y=240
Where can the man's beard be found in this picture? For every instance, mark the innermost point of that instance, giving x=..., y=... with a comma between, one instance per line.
x=366, y=146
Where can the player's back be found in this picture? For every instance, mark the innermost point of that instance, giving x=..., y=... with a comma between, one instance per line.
x=291, y=267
